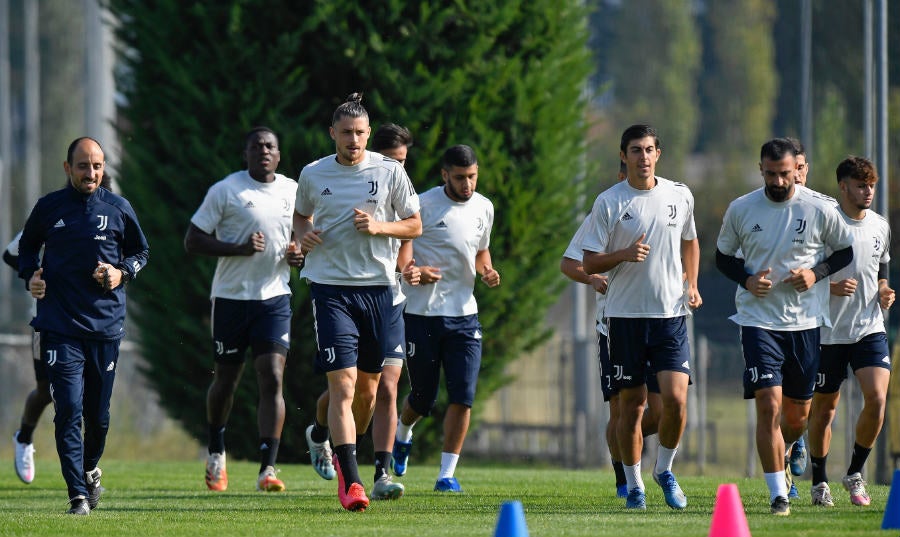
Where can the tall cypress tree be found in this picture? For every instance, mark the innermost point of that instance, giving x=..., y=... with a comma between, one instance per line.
x=506, y=78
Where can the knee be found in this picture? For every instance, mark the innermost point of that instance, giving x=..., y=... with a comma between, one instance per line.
x=875, y=403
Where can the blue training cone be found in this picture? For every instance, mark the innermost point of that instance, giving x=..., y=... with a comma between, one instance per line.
x=892, y=509
x=511, y=521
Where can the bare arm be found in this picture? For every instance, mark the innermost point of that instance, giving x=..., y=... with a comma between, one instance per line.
x=690, y=259
x=408, y=228
x=305, y=232
x=597, y=262
x=483, y=266
x=197, y=241
x=407, y=265
x=574, y=270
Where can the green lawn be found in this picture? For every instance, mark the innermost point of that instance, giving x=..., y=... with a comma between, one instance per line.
x=171, y=500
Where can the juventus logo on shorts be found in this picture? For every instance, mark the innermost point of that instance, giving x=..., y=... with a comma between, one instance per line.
x=754, y=375
x=820, y=379
x=410, y=349
x=329, y=355
x=220, y=348
x=618, y=372
x=51, y=358
x=103, y=221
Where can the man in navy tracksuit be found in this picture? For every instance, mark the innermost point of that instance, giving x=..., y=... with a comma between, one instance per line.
x=93, y=245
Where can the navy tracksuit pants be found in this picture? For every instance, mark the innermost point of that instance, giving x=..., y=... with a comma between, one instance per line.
x=81, y=373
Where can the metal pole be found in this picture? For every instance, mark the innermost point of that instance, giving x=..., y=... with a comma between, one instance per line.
x=5, y=161
x=32, y=98
x=806, y=121
x=99, y=106
x=882, y=472
x=869, y=83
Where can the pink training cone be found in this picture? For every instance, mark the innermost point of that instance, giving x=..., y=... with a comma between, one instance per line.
x=728, y=518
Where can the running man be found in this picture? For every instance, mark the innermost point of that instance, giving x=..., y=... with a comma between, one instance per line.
x=359, y=200
x=571, y=266
x=442, y=328
x=392, y=141
x=92, y=246
x=784, y=233
x=245, y=221
x=857, y=335
x=645, y=239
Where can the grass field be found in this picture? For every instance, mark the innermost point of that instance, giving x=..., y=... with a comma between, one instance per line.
x=171, y=500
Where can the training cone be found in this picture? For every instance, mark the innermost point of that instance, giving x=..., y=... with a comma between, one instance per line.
x=892, y=509
x=728, y=518
x=511, y=521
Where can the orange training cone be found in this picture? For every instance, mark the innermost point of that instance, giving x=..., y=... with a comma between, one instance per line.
x=892, y=509
x=511, y=521
x=728, y=518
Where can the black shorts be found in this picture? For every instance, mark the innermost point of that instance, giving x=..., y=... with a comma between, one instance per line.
x=351, y=326
x=870, y=351
x=264, y=325
x=641, y=346
x=789, y=359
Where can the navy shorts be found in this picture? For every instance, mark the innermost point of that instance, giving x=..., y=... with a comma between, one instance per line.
x=351, y=326
x=870, y=351
x=396, y=338
x=789, y=359
x=639, y=347
x=263, y=325
x=451, y=343
x=607, y=384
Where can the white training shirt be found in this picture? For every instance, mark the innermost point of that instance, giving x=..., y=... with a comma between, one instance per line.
x=235, y=208
x=452, y=234
x=329, y=191
x=653, y=288
x=13, y=249
x=782, y=236
x=576, y=252
x=858, y=315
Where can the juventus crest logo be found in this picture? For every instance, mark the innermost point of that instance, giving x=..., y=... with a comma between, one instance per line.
x=801, y=225
x=673, y=211
x=103, y=221
x=373, y=188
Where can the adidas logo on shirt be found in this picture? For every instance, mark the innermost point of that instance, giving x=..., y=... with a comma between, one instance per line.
x=441, y=225
x=756, y=229
x=326, y=192
x=627, y=216
x=249, y=205
x=60, y=223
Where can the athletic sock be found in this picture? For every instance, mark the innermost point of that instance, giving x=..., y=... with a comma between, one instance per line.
x=777, y=485
x=268, y=452
x=448, y=464
x=382, y=461
x=819, y=473
x=216, y=439
x=404, y=432
x=860, y=454
x=346, y=456
x=620, y=473
x=25, y=433
x=633, y=476
x=664, y=458
x=319, y=433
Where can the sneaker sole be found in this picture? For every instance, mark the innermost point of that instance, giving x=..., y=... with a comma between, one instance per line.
x=392, y=494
